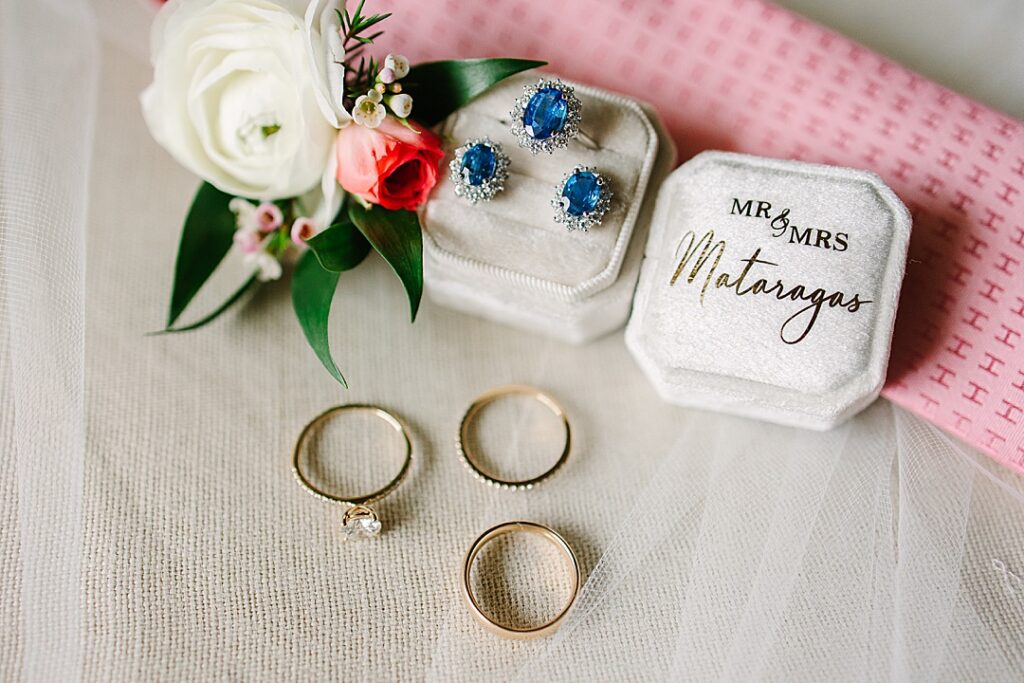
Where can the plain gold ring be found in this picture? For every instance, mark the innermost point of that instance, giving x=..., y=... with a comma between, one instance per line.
x=510, y=528
x=470, y=459
x=359, y=520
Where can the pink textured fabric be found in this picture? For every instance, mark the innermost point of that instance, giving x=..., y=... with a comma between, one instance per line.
x=748, y=76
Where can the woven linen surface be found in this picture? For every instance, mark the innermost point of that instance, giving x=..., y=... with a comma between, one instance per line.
x=202, y=559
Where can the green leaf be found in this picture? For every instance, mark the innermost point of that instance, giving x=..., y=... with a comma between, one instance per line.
x=340, y=247
x=205, y=240
x=220, y=309
x=312, y=292
x=372, y=20
x=439, y=88
x=396, y=235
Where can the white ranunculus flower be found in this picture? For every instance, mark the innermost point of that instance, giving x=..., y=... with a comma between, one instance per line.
x=234, y=95
x=322, y=203
x=327, y=53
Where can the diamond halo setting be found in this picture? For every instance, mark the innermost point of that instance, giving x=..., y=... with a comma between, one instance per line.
x=582, y=200
x=479, y=170
x=547, y=116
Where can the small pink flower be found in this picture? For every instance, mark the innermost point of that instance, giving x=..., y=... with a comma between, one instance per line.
x=386, y=75
x=269, y=216
x=302, y=230
x=248, y=241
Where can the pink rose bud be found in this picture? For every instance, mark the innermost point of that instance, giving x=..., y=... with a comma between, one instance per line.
x=269, y=216
x=391, y=165
x=386, y=75
x=302, y=230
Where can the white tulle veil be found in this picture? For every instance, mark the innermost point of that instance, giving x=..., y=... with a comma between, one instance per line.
x=880, y=550
x=49, y=54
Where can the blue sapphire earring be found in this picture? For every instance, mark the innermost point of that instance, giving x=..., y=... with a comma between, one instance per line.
x=546, y=117
x=479, y=170
x=583, y=199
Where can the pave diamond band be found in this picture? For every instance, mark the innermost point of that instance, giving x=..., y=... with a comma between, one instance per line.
x=470, y=459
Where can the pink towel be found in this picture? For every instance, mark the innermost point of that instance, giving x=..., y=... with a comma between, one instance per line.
x=747, y=76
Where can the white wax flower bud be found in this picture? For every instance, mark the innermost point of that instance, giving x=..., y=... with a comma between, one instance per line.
x=401, y=105
x=398, y=64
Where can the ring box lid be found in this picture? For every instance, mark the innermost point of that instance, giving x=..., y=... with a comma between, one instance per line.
x=513, y=237
x=769, y=288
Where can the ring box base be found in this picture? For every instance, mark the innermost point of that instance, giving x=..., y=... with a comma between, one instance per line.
x=507, y=260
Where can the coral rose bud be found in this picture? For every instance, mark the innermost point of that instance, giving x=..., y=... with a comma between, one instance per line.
x=390, y=165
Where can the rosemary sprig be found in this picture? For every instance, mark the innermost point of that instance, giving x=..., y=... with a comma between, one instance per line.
x=354, y=40
x=355, y=25
x=362, y=77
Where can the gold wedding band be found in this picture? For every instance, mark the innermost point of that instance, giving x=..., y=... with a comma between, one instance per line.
x=510, y=528
x=359, y=520
x=469, y=458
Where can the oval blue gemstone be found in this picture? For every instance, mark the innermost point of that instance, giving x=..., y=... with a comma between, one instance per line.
x=545, y=113
x=478, y=164
x=583, y=193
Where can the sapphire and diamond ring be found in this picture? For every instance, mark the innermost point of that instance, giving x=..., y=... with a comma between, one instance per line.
x=583, y=198
x=546, y=117
x=479, y=170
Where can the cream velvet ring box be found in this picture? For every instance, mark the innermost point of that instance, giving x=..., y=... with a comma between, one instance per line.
x=507, y=259
x=769, y=288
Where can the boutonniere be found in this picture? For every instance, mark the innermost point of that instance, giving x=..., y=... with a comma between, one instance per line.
x=306, y=144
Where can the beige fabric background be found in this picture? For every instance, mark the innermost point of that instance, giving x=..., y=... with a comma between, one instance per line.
x=203, y=559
